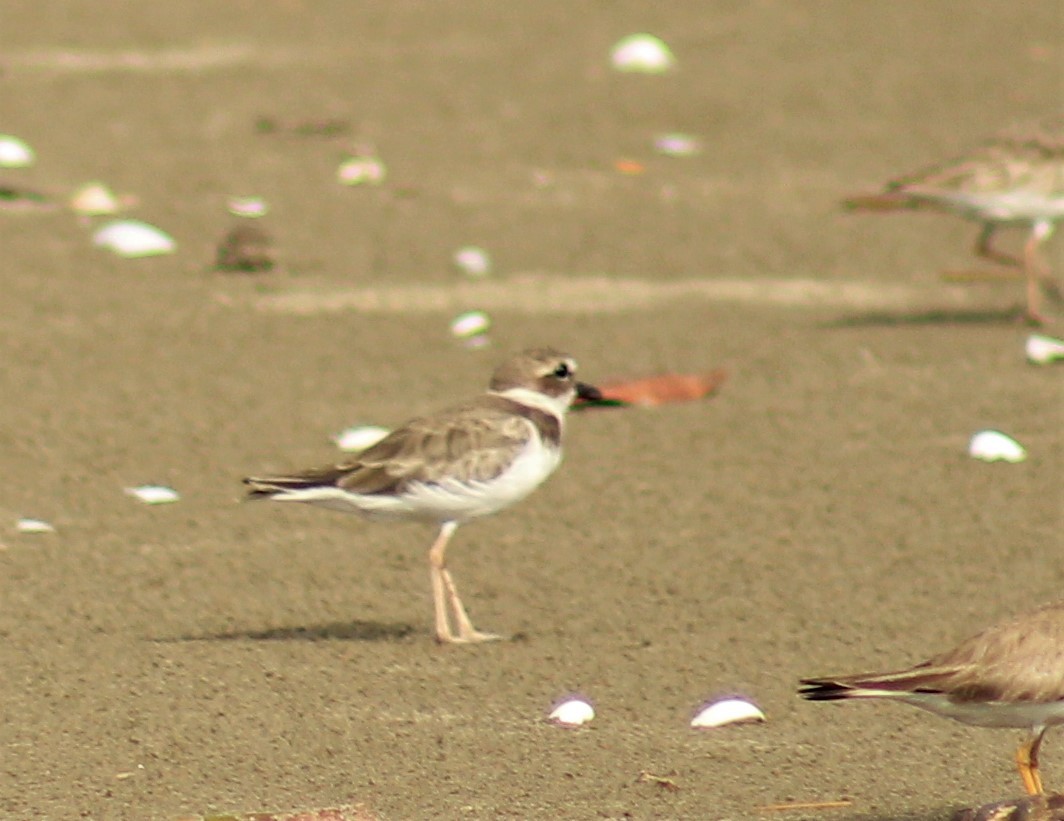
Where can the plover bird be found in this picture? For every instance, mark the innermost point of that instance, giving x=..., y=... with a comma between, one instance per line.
x=1015, y=179
x=1010, y=675
x=461, y=463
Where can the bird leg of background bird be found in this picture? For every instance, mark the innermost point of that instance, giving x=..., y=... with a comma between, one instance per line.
x=984, y=249
x=1027, y=762
x=1038, y=274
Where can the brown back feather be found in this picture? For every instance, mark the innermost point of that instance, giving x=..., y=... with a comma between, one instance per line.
x=477, y=440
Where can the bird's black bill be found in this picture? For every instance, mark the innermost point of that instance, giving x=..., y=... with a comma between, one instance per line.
x=589, y=393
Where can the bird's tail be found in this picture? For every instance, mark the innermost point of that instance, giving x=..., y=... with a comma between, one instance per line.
x=270, y=487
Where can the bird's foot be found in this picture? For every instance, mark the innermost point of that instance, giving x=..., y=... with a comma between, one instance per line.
x=467, y=637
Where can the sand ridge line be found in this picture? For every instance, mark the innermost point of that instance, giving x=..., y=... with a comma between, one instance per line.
x=558, y=294
x=200, y=57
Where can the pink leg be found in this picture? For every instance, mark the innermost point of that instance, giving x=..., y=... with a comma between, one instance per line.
x=1037, y=273
x=445, y=594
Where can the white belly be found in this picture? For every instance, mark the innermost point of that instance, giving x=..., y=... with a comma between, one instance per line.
x=996, y=714
x=455, y=500
x=450, y=500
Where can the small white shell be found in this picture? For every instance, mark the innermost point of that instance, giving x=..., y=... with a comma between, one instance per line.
x=643, y=53
x=573, y=712
x=94, y=199
x=14, y=153
x=359, y=438
x=133, y=238
x=995, y=446
x=727, y=711
x=33, y=526
x=153, y=494
x=470, y=324
x=473, y=261
x=1042, y=350
x=361, y=170
x=675, y=144
x=249, y=207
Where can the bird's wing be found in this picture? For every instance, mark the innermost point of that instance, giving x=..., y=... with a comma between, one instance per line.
x=476, y=441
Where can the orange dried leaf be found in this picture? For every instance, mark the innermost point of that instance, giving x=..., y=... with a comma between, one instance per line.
x=664, y=389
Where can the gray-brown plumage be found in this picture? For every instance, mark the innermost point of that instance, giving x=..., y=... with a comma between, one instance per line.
x=1010, y=675
x=461, y=463
x=478, y=440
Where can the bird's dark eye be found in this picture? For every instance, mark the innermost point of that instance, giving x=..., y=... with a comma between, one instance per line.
x=563, y=371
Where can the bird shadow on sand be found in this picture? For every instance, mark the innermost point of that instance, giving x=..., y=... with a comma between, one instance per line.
x=358, y=630
x=933, y=316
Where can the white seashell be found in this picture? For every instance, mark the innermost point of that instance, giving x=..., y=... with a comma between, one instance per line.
x=470, y=324
x=727, y=711
x=153, y=494
x=359, y=438
x=677, y=145
x=249, y=207
x=642, y=53
x=473, y=261
x=572, y=713
x=33, y=526
x=132, y=238
x=995, y=446
x=15, y=153
x=94, y=199
x=361, y=170
x=1042, y=350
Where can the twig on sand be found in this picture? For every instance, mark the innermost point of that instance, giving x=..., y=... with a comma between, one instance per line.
x=806, y=805
x=666, y=783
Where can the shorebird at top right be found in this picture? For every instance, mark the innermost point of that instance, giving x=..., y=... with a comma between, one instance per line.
x=1015, y=179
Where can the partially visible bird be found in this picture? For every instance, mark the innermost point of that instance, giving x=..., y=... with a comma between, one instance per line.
x=1010, y=675
x=1015, y=179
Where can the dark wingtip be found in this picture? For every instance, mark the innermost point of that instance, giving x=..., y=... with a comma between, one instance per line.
x=257, y=490
x=817, y=689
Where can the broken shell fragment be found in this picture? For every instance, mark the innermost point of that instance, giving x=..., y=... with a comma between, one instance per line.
x=361, y=170
x=94, y=199
x=995, y=446
x=675, y=144
x=249, y=207
x=1042, y=350
x=641, y=53
x=360, y=437
x=573, y=712
x=153, y=494
x=727, y=711
x=15, y=153
x=471, y=328
x=33, y=526
x=473, y=261
x=133, y=238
